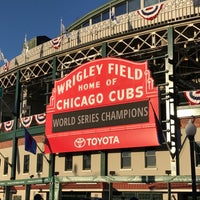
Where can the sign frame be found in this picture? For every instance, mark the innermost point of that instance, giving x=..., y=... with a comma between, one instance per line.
x=103, y=104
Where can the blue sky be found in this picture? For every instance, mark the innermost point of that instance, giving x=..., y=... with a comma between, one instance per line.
x=36, y=18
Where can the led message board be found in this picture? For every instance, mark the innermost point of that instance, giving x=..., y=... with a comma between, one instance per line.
x=103, y=104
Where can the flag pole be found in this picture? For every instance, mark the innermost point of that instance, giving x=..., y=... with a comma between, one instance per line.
x=25, y=47
x=61, y=27
x=164, y=138
x=62, y=33
x=43, y=154
x=2, y=57
x=5, y=159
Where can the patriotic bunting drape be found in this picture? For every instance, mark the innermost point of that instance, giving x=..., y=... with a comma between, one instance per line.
x=56, y=42
x=8, y=126
x=150, y=12
x=193, y=97
x=25, y=122
x=6, y=66
x=40, y=118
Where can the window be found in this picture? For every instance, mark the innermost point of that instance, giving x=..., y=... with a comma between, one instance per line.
x=5, y=171
x=125, y=159
x=96, y=19
x=87, y=161
x=105, y=15
x=85, y=24
x=133, y=5
x=197, y=153
x=39, y=162
x=120, y=9
x=150, y=158
x=68, y=162
x=26, y=163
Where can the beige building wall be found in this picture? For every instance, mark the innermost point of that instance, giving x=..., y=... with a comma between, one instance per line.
x=138, y=164
x=185, y=166
x=33, y=164
x=6, y=152
x=77, y=169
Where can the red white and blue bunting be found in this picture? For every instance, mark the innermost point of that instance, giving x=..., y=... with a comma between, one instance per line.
x=56, y=42
x=26, y=121
x=40, y=118
x=193, y=97
x=150, y=12
x=6, y=67
x=8, y=126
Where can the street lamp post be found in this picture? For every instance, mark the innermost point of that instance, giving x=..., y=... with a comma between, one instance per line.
x=190, y=130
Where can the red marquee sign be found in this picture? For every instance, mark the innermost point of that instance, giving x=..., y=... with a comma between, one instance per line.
x=104, y=104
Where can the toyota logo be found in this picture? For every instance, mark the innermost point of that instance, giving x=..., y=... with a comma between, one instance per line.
x=79, y=143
